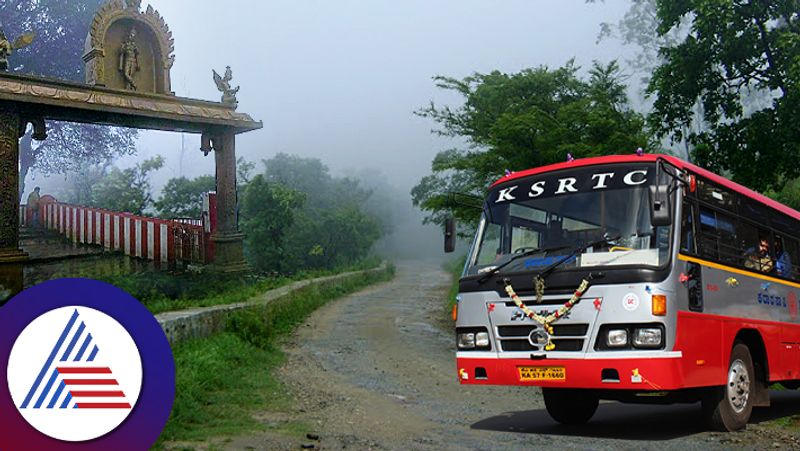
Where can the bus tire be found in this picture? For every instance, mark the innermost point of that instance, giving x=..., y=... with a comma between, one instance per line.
x=568, y=406
x=728, y=408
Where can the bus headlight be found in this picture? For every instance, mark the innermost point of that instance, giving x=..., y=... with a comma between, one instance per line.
x=466, y=340
x=620, y=337
x=617, y=338
x=473, y=338
x=647, y=337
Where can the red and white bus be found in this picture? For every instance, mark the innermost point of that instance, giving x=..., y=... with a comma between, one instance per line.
x=638, y=278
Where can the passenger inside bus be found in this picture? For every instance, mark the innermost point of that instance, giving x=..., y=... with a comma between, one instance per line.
x=783, y=262
x=760, y=260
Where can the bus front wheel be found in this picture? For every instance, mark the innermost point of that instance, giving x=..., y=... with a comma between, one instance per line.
x=569, y=406
x=728, y=408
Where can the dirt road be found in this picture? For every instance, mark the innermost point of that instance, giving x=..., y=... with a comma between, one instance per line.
x=376, y=370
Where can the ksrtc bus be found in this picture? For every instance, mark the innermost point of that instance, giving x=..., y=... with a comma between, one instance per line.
x=638, y=278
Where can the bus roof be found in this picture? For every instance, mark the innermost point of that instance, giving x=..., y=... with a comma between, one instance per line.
x=633, y=158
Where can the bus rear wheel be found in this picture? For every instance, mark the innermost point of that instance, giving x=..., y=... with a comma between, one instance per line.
x=728, y=408
x=568, y=406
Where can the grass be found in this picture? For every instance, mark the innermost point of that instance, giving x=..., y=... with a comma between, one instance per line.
x=218, y=379
x=454, y=268
x=223, y=380
x=162, y=291
x=791, y=422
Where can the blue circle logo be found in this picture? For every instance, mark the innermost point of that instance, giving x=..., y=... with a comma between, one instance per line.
x=87, y=367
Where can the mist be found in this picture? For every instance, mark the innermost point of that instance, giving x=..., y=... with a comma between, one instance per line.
x=340, y=81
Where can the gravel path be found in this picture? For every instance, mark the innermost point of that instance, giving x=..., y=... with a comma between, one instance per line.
x=376, y=370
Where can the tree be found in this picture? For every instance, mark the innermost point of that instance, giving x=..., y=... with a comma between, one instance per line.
x=528, y=119
x=127, y=190
x=183, y=198
x=80, y=185
x=311, y=176
x=268, y=212
x=244, y=171
x=61, y=28
x=733, y=51
x=639, y=28
x=788, y=195
x=333, y=226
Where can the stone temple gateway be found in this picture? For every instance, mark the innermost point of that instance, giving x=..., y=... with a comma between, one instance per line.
x=128, y=57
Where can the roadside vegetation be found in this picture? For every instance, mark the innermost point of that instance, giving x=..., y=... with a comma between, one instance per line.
x=222, y=381
x=454, y=268
x=721, y=87
x=165, y=291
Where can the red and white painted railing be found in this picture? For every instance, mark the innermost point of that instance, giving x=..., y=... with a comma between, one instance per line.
x=160, y=240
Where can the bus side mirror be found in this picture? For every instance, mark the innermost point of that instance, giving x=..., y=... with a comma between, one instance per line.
x=660, y=212
x=450, y=234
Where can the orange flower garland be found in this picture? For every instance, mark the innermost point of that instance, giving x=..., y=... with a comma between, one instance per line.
x=547, y=321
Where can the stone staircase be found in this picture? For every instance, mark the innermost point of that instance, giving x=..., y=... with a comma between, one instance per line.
x=42, y=245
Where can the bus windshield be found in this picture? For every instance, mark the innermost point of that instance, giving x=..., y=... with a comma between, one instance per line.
x=568, y=214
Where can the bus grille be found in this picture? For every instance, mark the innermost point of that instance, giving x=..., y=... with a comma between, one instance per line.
x=566, y=337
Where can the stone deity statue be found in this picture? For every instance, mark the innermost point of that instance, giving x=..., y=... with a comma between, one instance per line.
x=224, y=86
x=7, y=47
x=5, y=51
x=129, y=60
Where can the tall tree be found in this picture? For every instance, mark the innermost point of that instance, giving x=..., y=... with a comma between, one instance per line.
x=268, y=215
x=528, y=119
x=61, y=27
x=639, y=28
x=731, y=51
x=332, y=226
x=127, y=190
x=79, y=186
x=183, y=198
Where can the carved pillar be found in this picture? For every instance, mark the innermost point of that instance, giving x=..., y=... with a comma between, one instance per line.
x=9, y=188
x=228, y=239
x=11, y=256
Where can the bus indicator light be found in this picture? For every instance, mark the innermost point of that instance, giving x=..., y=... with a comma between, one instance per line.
x=659, y=304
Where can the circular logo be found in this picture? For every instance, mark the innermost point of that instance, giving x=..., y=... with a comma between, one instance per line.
x=74, y=374
x=537, y=337
x=87, y=367
x=630, y=302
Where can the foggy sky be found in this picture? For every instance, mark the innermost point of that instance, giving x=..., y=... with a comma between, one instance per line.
x=339, y=80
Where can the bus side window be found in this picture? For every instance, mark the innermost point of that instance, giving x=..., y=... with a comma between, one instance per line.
x=718, y=236
x=707, y=243
x=747, y=235
x=688, y=233
x=695, y=286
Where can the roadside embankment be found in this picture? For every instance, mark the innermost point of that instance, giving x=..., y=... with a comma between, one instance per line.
x=203, y=322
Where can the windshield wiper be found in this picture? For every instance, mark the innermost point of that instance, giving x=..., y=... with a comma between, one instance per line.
x=496, y=269
x=546, y=272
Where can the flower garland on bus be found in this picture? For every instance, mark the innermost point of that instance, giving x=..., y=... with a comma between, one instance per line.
x=547, y=321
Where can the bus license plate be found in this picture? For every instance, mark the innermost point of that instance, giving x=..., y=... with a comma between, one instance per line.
x=542, y=373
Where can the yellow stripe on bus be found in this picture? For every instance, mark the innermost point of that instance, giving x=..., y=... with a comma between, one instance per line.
x=736, y=270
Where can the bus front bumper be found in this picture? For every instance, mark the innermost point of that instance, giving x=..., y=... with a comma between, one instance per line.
x=663, y=372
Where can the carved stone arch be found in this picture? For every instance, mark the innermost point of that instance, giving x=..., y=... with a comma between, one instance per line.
x=110, y=28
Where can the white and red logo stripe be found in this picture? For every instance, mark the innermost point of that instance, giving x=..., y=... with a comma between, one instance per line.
x=93, y=387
